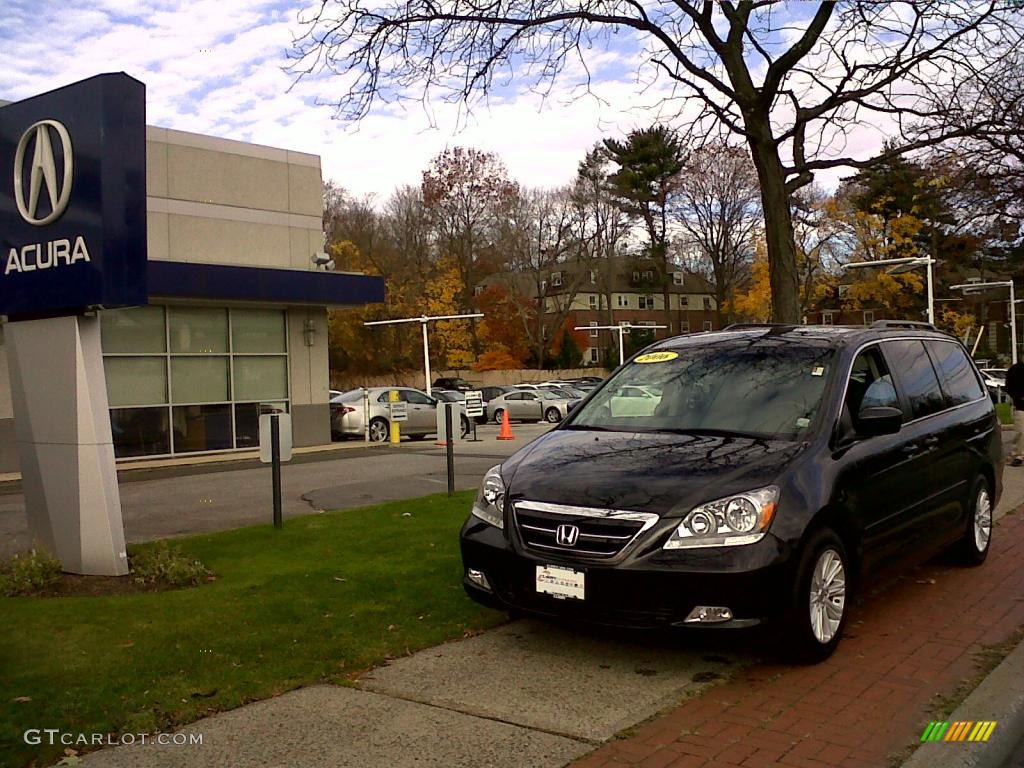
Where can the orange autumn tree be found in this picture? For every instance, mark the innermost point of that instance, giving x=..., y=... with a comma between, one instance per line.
x=502, y=331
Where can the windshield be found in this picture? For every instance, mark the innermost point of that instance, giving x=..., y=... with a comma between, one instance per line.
x=761, y=387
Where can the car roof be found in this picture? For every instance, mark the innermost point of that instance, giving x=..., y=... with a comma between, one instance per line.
x=817, y=335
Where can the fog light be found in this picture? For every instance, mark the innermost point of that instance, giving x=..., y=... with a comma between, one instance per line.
x=708, y=614
x=478, y=578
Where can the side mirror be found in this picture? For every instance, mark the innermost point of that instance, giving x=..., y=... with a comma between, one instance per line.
x=879, y=420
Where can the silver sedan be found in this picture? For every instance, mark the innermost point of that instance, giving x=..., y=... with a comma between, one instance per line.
x=530, y=405
x=348, y=418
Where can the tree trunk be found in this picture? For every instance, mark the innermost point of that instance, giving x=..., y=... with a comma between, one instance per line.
x=778, y=227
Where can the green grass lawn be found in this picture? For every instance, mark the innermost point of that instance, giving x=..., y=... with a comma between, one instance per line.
x=1004, y=413
x=329, y=595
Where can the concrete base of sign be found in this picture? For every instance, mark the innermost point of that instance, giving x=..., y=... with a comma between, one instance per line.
x=62, y=425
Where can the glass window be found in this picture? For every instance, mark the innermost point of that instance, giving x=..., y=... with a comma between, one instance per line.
x=199, y=379
x=870, y=384
x=418, y=398
x=260, y=378
x=917, y=375
x=140, y=431
x=958, y=379
x=247, y=421
x=201, y=427
x=766, y=388
x=136, y=380
x=257, y=330
x=198, y=329
x=132, y=330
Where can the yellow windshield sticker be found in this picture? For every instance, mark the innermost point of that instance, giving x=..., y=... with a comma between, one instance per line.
x=657, y=357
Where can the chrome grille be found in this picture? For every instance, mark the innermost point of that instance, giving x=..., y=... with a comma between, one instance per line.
x=603, y=533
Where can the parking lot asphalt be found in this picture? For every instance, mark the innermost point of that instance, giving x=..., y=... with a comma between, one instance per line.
x=180, y=500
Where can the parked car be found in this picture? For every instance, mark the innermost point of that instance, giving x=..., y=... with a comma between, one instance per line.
x=530, y=405
x=489, y=393
x=779, y=468
x=995, y=381
x=452, y=382
x=347, y=417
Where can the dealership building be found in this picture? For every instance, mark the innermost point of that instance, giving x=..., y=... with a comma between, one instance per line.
x=236, y=323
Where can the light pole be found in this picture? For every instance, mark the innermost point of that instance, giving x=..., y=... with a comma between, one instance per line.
x=621, y=328
x=975, y=287
x=426, y=345
x=910, y=261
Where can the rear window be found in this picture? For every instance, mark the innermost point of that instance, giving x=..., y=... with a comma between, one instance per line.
x=915, y=371
x=958, y=377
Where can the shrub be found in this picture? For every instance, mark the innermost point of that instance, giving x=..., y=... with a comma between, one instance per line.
x=160, y=563
x=28, y=574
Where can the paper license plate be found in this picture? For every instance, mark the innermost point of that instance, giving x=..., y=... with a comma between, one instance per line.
x=560, y=582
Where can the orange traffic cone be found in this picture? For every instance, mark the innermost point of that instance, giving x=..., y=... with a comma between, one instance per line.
x=506, y=428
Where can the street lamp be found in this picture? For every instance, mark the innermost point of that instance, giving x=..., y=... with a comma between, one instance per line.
x=910, y=261
x=621, y=328
x=975, y=287
x=423, y=324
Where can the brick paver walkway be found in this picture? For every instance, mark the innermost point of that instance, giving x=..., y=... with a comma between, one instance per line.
x=904, y=644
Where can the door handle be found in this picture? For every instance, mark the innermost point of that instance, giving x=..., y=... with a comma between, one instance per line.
x=910, y=449
x=931, y=442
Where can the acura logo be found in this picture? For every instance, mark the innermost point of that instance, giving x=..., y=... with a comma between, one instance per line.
x=43, y=171
x=567, y=535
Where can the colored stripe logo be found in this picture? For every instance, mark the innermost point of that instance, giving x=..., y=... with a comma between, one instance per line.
x=959, y=730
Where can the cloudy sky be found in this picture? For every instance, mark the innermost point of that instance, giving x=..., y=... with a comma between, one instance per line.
x=218, y=67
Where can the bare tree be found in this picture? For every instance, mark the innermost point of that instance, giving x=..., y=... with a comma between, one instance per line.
x=717, y=206
x=791, y=80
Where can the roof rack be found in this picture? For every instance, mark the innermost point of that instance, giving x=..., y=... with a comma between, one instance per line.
x=881, y=324
x=743, y=326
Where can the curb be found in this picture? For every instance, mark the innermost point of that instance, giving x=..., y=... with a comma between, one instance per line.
x=999, y=697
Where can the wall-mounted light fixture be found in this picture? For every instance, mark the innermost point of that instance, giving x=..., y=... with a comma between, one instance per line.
x=309, y=332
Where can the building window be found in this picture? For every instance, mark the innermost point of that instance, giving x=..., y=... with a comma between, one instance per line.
x=593, y=330
x=202, y=386
x=647, y=275
x=684, y=327
x=707, y=302
x=677, y=278
x=844, y=291
x=478, y=291
x=622, y=301
x=684, y=302
x=556, y=279
x=826, y=318
x=593, y=277
x=593, y=301
x=595, y=355
x=707, y=325
x=646, y=302
x=869, y=316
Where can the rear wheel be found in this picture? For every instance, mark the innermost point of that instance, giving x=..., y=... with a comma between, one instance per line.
x=379, y=430
x=973, y=548
x=499, y=415
x=817, y=613
x=465, y=426
x=553, y=415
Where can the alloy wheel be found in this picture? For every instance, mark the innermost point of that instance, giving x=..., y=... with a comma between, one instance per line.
x=827, y=599
x=378, y=431
x=982, y=519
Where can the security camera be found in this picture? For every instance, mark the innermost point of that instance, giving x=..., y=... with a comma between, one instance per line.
x=323, y=260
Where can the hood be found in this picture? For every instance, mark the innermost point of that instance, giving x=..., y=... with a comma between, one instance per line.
x=662, y=473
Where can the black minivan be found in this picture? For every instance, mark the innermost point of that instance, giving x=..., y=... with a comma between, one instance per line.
x=763, y=471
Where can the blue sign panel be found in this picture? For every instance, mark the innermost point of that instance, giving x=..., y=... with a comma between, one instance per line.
x=73, y=199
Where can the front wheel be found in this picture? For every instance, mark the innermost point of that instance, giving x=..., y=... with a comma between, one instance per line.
x=379, y=430
x=465, y=427
x=499, y=414
x=817, y=613
x=553, y=415
x=973, y=548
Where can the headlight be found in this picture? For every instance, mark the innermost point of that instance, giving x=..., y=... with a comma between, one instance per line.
x=740, y=519
x=490, y=500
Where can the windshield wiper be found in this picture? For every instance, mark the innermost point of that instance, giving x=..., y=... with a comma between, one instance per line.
x=709, y=432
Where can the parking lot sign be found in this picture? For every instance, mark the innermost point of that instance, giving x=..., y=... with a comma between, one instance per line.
x=474, y=403
x=399, y=411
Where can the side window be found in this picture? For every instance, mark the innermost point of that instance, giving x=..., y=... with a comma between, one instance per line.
x=958, y=379
x=514, y=396
x=384, y=397
x=915, y=371
x=416, y=398
x=528, y=396
x=870, y=384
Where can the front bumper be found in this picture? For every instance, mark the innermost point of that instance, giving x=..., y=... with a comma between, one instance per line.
x=646, y=590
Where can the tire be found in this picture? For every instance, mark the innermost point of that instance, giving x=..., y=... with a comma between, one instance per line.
x=380, y=430
x=972, y=549
x=552, y=416
x=814, y=621
x=417, y=437
x=498, y=414
x=465, y=427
